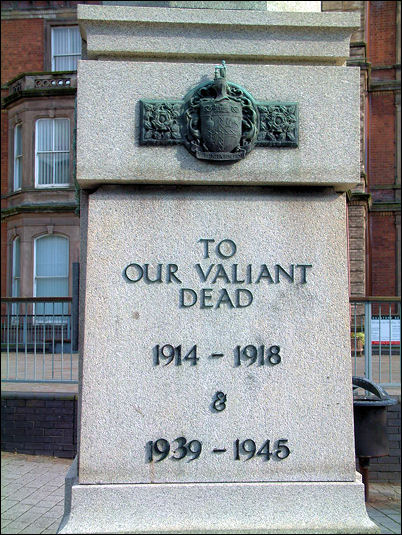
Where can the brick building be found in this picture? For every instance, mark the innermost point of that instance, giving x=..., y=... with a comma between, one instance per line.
x=40, y=213
x=40, y=223
x=374, y=207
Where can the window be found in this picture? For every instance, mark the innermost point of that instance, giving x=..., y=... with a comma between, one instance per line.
x=17, y=157
x=15, y=275
x=66, y=48
x=52, y=155
x=51, y=275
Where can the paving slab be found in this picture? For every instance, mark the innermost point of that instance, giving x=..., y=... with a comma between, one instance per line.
x=43, y=514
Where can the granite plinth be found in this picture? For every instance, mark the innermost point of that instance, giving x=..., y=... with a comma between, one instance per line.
x=108, y=149
x=323, y=507
x=251, y=5
x=129, y=399
x=216, y=375
x=145, y=32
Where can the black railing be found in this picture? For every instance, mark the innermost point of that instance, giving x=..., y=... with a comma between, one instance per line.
x=39, y=339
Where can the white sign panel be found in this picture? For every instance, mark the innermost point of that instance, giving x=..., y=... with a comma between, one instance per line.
x=385, y=329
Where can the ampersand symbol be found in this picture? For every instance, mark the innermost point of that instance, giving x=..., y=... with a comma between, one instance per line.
x=219, y=401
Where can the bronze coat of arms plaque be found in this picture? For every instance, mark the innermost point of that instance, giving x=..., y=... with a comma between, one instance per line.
x=219, y=121
x=220, y=127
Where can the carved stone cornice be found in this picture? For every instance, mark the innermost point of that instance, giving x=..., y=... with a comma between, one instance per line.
x=38, y=208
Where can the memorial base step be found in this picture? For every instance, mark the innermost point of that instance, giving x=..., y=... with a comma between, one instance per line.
x=305, y=507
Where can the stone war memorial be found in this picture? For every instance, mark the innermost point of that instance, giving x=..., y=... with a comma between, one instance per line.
x=214, y=149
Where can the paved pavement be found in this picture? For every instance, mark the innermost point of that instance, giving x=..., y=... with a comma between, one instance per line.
x=32, y=496
x=384, y=506
x=32, y=493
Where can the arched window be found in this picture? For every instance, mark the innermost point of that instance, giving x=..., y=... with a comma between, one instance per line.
x=51, y=272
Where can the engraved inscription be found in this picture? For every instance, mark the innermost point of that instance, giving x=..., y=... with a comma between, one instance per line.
x=243, y=450
x=159, y=450
x=219, y=401
x=217, y=273
x=248, y=449
x=166, y=354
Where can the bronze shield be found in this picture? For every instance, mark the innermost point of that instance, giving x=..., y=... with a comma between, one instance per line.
x=221, y=124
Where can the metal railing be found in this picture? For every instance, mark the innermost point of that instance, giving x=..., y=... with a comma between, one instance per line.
x=375, y=339
x=39, y=340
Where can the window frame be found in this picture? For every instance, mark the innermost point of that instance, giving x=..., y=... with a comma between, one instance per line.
x=17, y=157
x=52, y=55
x=14, y=277
x=53, y=184
x=15, y=280
x=58, y=319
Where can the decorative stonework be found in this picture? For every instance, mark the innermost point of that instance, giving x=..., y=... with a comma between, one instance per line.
x=17, y=86
x=43, y=84
x=279, y=124
x=160, y=122
x=219, y=120
x=50, y=82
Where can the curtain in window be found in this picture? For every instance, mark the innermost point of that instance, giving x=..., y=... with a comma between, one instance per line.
x=15, y=275
x=17, y=157
x=66, y=48
x=15, y=284
x=51, y=273
x=52, y=152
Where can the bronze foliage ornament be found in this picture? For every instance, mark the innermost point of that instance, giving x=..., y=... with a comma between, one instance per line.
x=219, y=121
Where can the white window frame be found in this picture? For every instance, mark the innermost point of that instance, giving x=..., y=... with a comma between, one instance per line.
x=14, y=278
x=17, y=159
x=53, y=56
x=53, y=184
x=59, y=319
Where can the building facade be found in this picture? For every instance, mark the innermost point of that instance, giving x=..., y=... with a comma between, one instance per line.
x=40, y=210
x=374, y=207
x=41, y=44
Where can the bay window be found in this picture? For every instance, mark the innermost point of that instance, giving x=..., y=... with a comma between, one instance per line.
x=15, y=277
x=17, y=179
x=51, y=274
x=52, y=153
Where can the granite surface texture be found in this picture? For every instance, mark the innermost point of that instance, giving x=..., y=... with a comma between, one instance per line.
x=305, y=399
x=108, y=149
x=219, y=508
x=194, y=281
x=208, y=33
x=250, y=5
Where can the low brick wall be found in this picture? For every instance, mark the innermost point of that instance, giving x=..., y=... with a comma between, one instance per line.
x=46, y=424
x=389, y=468
x=39, y=423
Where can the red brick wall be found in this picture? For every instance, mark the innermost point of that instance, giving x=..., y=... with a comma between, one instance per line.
x=382, y=33
x=382, y=148
x=381, y=143
x=22, y=47
x=383, y=239
x=22, y=50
